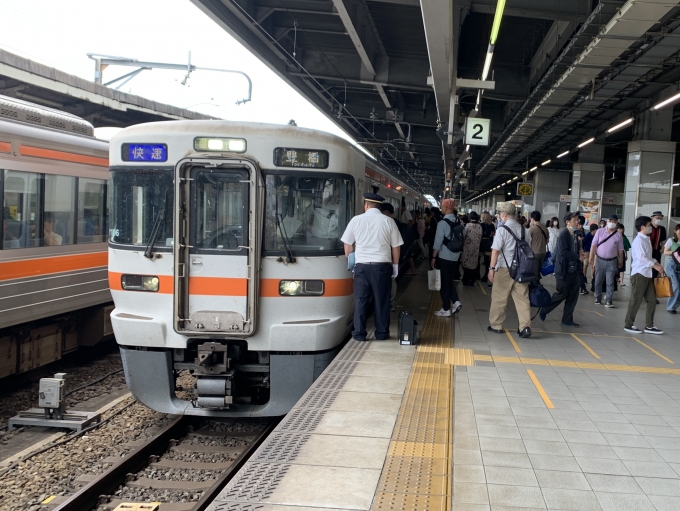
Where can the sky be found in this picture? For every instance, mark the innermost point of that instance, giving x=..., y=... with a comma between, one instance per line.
x=60, y=33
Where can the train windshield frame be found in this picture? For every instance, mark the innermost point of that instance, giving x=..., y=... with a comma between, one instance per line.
x=138, y=196
x=306, y=211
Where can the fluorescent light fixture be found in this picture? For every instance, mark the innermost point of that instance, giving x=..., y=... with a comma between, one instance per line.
x=676, y=184
x=666, y=102
x=508, y=181
x=620, y=125
x=515, y=178
x=583, y=144
x=532, y=169
x=545, y=163
x=525, y=173
x=500, y=6
x=487, y=63
x=563, y=154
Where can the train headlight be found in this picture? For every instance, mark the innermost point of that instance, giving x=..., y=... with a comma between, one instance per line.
x=140, y=283
x=231, y=145
x=301, y=287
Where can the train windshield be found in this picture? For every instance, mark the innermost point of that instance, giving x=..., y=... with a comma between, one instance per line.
x=307, y=213
x=139, y=197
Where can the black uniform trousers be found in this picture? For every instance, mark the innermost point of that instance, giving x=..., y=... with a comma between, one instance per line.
x=372, y=280
x=567, y=292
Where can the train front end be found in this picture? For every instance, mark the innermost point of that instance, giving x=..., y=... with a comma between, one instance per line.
x=225, y=262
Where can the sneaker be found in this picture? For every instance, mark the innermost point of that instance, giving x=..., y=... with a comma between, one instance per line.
x=653, y=330
x=456, y=307
x=632, y=329
x=443, y=313
x=584, y=292
x=610, y=305
x=672, y=312
x=598, y=301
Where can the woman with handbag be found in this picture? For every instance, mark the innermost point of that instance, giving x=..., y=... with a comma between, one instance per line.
x=672, y=244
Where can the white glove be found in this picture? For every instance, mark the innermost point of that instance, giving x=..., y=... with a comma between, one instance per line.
x=395, y=271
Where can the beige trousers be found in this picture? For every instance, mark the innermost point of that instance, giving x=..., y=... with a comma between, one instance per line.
x=503, y=286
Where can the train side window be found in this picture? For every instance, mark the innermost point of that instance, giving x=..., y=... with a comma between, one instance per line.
x=92, y=210
x=21, y=209
x=59, y=212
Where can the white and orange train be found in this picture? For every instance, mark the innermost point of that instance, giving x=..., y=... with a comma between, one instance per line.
x=54, y=293
x=225, y=259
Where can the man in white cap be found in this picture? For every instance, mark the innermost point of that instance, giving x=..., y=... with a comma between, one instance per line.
x=376, y=241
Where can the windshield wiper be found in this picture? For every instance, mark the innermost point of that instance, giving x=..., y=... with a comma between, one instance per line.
x=286, y=240
x=154, y=234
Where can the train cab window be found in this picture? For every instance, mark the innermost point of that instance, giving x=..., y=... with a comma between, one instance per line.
x=21, y=210
x=92, y=210
x=59, y=212
x=220, y=204
x=307, y=213
x=141, y=198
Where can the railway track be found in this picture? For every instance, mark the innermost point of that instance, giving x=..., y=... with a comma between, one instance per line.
x=166, y=466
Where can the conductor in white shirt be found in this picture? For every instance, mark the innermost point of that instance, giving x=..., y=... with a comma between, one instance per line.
x=376, y=241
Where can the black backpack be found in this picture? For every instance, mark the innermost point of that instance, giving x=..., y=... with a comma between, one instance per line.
x=524, y=263
x=455, y=242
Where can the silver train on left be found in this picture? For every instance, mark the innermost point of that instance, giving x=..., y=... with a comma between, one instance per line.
x=225, y=259
x=54, y=293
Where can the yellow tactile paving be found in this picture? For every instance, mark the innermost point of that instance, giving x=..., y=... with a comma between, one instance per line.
x=417, y=472
x=579, y=365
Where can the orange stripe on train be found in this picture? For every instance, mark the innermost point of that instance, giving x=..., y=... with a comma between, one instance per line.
x=50, y=154
x=47, y=265
x=5, y=147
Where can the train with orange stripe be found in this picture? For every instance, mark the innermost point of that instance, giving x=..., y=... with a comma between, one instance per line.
x=225, y=260
x=54, y=294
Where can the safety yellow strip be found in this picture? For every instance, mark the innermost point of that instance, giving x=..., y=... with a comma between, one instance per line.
x=49, y=499
x=514, y=344
x=654, y=351
x=482, y=288
x=418, y=469
x=578, y=365
x=586, y=347
x=540, y=389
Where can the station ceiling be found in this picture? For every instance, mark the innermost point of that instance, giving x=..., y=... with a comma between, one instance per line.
x=387, y=72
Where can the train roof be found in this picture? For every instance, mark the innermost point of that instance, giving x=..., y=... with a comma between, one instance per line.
x=23, y=111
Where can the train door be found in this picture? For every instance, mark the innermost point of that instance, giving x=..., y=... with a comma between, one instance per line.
x=217, y=253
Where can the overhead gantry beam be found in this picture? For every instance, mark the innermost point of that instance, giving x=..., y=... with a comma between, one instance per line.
x=438, y=24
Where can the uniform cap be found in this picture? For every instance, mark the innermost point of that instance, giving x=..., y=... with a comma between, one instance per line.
x=373, y=197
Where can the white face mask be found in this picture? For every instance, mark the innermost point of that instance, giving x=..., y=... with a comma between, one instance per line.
x=657, y=221
x=555, y=224
x=611, y=225
x=648, y=230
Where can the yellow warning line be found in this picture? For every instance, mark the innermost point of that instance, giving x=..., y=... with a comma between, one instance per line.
x=482, y=288
x=540, y=389
x=514, y=344
x=586, y=346
x=654, y=351
x=49, y=499
x=417, y=473
x=579, y=365
x=594, y=312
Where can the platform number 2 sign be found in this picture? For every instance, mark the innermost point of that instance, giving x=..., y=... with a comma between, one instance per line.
x=477, y=131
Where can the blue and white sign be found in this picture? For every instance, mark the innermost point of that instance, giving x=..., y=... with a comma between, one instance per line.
x=145, y=152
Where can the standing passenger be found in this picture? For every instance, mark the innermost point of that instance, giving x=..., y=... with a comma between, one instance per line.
x=641, y=278
x=420, y=222
x=606, y=254
x=568, y=271
x=488, y=231
x=447, y=260
x=657, y=238
x=539, y=241
x=473, y=237
x=672, y=244
x=377, y=249
x=554, y=231
x=502, y=254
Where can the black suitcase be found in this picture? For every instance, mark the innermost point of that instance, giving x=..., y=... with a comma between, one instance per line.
x=408, y=329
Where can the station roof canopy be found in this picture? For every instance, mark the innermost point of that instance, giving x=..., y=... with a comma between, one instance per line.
x=30, y=81
x=388, y=72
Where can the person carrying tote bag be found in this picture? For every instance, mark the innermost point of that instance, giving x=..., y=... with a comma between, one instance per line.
x=673, y=270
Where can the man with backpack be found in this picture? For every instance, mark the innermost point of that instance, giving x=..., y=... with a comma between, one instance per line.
x=447, y=246
x=511, y=272
x=568, y=271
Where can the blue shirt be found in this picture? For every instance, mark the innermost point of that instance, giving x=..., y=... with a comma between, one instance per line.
x=587, y=241
x=444, y=231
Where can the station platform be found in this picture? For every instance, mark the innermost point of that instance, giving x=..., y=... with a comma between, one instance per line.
x=571, y=419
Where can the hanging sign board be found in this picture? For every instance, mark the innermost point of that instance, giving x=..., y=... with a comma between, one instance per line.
x=525, y=189
x=477, y=131
x=565, y=198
